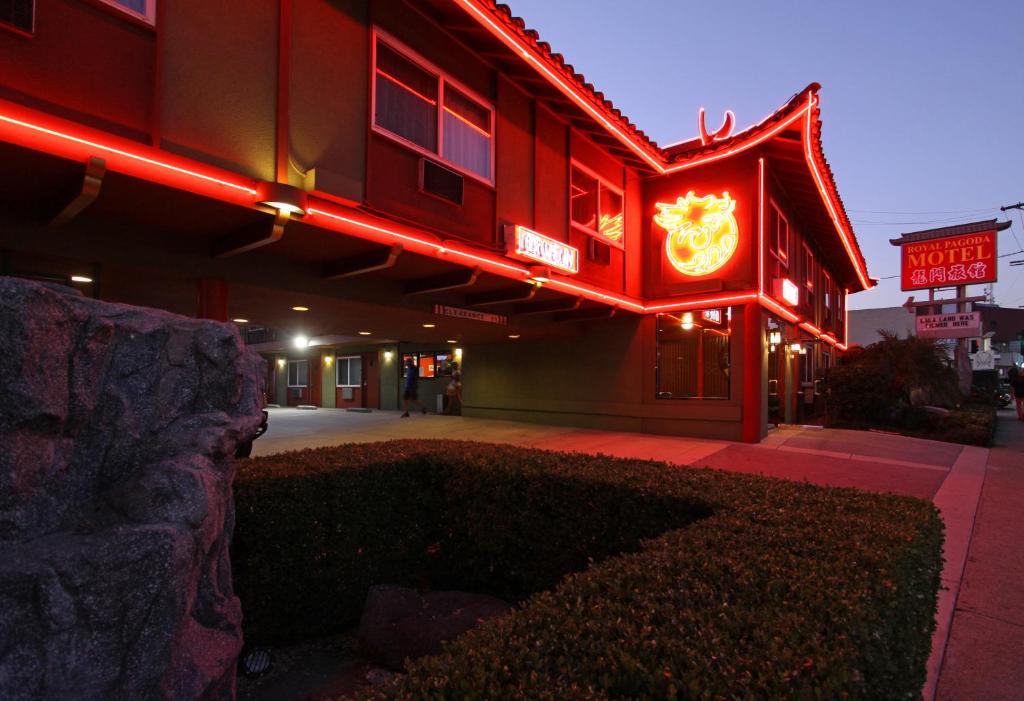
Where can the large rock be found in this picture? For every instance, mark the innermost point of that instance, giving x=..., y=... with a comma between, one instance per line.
x=117, y=430
x=399, y=623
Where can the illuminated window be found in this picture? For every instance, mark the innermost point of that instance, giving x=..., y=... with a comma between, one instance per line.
x=693, y=354
x=829, y=293
x=144, y=10
x=808, y=266
x=596, y=205
x=407, y=93
x=298, y=373
x=778, y=235
x=349, y=371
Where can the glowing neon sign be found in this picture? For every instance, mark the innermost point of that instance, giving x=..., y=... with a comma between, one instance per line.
x=533, y=246
x=702, y=232
x=713, y=316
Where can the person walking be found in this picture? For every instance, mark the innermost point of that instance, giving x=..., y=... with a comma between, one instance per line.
x=412, y=387
x=454, y=391
x=1017, y=382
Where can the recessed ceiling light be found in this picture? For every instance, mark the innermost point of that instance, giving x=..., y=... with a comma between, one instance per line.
x=240, y=321
x=364, y=333
x=450, y=340
x=80, y=278
x=300, y=309
x=429, y=326
x=513, y=335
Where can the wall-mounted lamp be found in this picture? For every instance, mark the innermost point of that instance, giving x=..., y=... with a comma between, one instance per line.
x=328, y=359
x=775, y=339
x=539, y=274
x=282, y=197
x=795, y=347
x=687, y=322
x=458, y=353
x=301, y=341
x=280, y=362
x=388, y=355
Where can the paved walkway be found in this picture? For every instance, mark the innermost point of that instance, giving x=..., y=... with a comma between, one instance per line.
x=978, y=647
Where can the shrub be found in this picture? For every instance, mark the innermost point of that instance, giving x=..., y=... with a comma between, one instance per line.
x=887, y=383
x=728, y=586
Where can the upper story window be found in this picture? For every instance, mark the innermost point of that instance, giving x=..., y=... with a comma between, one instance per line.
x=144, y=10
x=808, y=266
x=596, y=205
x=416, y=103
x=829, y=293
x=778, y=235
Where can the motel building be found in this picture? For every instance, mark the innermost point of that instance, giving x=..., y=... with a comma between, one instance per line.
x=358, y=182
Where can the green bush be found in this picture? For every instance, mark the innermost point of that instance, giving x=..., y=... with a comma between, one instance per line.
x=887, y=383
x=729, y=586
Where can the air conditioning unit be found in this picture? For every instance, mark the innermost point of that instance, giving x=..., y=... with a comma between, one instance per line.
x=441, y=182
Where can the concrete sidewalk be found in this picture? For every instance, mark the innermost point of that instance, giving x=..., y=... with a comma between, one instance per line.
x=978, y=647
x=984, y=653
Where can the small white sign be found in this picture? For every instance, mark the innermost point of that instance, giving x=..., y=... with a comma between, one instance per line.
x=983, y=360
x=959, y=325
x=473, y=314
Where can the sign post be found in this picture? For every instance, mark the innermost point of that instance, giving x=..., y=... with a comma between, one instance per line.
x=952, y=256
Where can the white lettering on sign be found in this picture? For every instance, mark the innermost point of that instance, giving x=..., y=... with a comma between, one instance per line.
x=473, y=314
x=712, y=315
x=533, y=246
x=959, y=325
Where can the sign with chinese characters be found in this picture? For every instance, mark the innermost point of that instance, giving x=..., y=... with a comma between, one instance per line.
x=958, y=325
x=529, y=245
x=713, y=316
x=787, y=291
x=471, y=314
x=954, y=260
x=701, y=232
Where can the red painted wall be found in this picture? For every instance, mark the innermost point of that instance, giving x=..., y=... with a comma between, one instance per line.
x=84, y=63
x=738, y=176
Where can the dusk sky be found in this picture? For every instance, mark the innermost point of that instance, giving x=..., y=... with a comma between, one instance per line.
x=922, y=101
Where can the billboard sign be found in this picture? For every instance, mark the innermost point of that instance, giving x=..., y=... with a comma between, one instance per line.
x=967, y=259
x=959, y=325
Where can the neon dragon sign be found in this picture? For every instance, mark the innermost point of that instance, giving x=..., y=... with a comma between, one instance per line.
x=702, y=232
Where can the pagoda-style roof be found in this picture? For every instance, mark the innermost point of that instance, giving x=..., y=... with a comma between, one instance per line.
x=957, y=230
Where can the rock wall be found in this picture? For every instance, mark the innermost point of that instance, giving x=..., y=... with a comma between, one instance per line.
x=117, y=429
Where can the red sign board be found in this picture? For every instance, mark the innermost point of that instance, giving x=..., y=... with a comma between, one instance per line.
x=954, y=260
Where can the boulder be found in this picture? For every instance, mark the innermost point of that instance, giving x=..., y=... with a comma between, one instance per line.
x=399, y=623
x=118, y=425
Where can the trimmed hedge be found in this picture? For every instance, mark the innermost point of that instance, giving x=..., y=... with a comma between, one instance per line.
x=730, y=586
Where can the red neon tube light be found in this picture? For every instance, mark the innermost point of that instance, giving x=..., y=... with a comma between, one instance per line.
x=569, y=90
x=73, y=141
x=826, y=195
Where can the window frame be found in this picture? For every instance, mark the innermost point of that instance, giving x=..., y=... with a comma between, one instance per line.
x=808, y=267
x=288, y=373
x=348, y=364
x=782, y=257
x=14, y=29
x=701, y=363
x=443, y=77
x=602, y=183
x=148, y=17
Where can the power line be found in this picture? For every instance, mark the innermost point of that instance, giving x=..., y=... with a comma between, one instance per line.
x=936, y=211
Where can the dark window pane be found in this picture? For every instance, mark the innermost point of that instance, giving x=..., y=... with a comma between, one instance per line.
x=583, y=195
x=693, y=355
x=405, y=99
